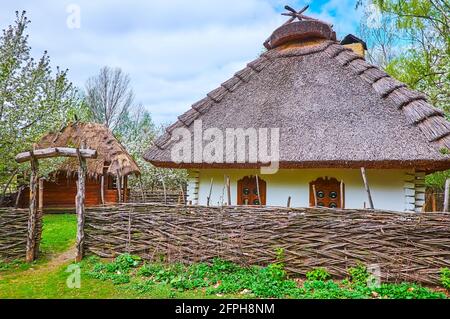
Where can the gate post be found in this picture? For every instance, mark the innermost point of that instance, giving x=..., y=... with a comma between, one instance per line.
x=79, y=204
x=33, y=214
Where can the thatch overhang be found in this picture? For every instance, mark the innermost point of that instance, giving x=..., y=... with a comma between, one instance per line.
x=111, y=153
x=333, y=108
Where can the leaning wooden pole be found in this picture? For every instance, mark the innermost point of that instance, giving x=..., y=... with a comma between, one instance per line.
x=228, y=191
x=119, y=186
x=366, y=185
x=257, y=190
x=208, y=199
x=79, y=204
x=446, y=194
x=102, y=189
x=33, y=213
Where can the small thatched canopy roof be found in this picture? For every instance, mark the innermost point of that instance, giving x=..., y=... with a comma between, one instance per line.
x=95, y=136
x=333, y=108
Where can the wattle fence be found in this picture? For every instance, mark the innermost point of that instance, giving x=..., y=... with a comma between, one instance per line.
x=14, y=233
x=405, y=246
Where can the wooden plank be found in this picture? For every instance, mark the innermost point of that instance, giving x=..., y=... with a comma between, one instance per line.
x=55, y=152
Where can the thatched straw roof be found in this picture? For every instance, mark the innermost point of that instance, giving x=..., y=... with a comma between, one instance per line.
x=95, y=136
x=333, y=108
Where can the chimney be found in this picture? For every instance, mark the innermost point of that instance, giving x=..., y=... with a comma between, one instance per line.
x=356, y=44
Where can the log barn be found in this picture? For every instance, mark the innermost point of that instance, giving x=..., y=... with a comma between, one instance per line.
x=349, y=134
x=107, y=175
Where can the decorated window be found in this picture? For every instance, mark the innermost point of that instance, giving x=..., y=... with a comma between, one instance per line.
x=327, y=193
x=251, y=191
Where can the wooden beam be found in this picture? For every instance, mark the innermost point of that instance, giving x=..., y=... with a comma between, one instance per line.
x=33, y=213
x=366, y=185
x=341, y=189
x=55, y=152
x=446, y=194
x=79, y=204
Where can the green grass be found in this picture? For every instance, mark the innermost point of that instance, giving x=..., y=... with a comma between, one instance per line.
x=58, y=233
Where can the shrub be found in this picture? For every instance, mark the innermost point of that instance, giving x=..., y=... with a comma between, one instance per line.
x=445, y=278
x=359, y=275
x=319, y=274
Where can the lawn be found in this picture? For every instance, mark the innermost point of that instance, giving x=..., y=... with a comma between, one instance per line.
x=129, y=277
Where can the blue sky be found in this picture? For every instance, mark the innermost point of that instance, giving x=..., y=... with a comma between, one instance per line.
x=175, y=51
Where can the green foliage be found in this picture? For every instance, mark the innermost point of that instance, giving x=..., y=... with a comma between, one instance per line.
x=58, y=233
x=33, y=98
x=359, y=275
x=318, y=274
x=223, y=277
x=445, y=278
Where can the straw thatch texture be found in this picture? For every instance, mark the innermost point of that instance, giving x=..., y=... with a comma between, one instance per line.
x=406, y=246
x=333, y=109
x=95, y=136
x=14, y=232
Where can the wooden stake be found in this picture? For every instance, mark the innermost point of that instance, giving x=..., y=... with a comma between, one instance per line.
x=102, y=189
x=289, y=202
x=208, y=199
x=19, y=195
x=446, y=194
x=79, y=204
x=433, y=202
x=257, y=190
x=315, y=195
x=33, y=213
x=182, y=194
x=341, y=189
x=141, y=184
x=228, y=191
x=366, y=185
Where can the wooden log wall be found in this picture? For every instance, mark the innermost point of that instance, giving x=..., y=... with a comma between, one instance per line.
x=406, y=246
x=14, y=232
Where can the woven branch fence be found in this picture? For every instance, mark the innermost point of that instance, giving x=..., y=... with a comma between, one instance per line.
x=157, y=196
x=14, y=232
x=406, y=246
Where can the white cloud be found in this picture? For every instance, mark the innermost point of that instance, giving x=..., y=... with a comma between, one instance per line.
x=175, y=51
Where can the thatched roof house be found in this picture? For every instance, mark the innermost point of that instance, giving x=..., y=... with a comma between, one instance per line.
x=334, y=111
x=107, y=174
x=111, y=153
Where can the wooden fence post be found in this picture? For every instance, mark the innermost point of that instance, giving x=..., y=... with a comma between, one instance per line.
x=257, y=190
x=208, y=199
x=33, y=214
x=79, y=204
x=366, y=185
x=288, y=202
x=315, y=195
x=446, y=194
